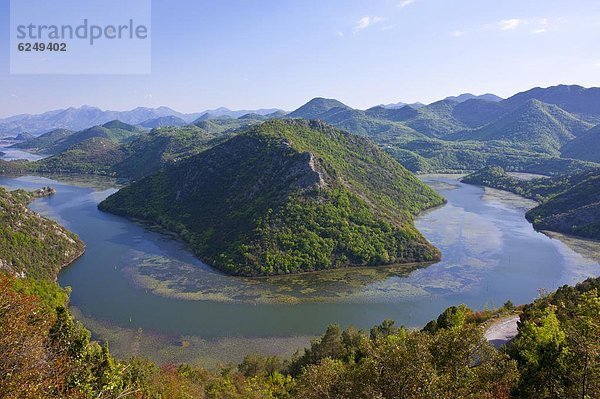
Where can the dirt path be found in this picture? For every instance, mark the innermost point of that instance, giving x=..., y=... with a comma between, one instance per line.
x=502, y=330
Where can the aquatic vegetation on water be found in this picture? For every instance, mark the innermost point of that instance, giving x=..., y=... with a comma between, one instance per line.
x=177, y=279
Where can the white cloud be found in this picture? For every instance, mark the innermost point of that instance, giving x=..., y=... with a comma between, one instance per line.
x=510, y=24
x=365, y=22
x=543, y=25
x=405, y=3
x=598, y=64
x=458, y=33
x=14, y=96
x=148, y=96
x=339, y=34
x=535, y=25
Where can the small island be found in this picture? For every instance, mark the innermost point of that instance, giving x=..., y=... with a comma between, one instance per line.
x=43, y=192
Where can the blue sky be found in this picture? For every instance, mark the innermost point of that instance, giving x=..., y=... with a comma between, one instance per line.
x=269, y=53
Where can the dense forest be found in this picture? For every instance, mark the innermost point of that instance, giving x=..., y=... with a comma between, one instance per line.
x=556, y=354
x=31, y=245
x=284, y=197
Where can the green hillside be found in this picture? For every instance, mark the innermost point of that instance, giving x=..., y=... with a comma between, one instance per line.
x=60, y=140
x=436, y=119
x=575, y=99
x=537, y=126
x=149, y=152
x=31, y=245
x=139, y=156
x=576, y=211
x=433, y=155
x=45, y=141
x=477, y=112
x=96, y=155
x=287, y=196
x=115, y=131
x=585, y=147
x=316, y=108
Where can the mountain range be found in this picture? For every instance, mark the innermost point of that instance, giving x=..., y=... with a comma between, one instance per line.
x=246, y=191
x=88, y=116
x=520, y=133
x=527, y=131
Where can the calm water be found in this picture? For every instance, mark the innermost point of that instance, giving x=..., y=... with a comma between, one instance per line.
x=133, y=277
x=11, y=154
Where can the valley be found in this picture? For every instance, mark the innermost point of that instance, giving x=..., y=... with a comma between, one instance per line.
x=162, y=295
x=239, y=238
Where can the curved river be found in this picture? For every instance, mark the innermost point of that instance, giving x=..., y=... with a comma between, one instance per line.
x=145, y=293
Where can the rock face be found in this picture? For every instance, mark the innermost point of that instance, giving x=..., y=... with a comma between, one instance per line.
x=284, y=197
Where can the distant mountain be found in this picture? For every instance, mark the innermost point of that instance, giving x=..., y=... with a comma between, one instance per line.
x=371, y=123
x=277, y=114
x=253, y=116
x=224, y=113
x=468, y=96
x=476, y=112
x=163, y=121
x=436, y=119
x=94, y=155
x=23, y=136
x=147, y=153
x=401, y=105
x=113, y=130
x=575, y=99
x=392, y=114
x=585, y=147
x=60, y=140
x=215, y=126
x=132, y=157
x=45, y=141
x=287, y=196
x=534, y=125
x=82, y=118
x=317, y=108
x=442, y=117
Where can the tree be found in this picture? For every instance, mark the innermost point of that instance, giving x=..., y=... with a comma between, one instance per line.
x=583, y=336
x=28, y=368
x=540, y=350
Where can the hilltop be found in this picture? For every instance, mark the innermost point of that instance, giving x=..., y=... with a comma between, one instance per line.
x=287, y=196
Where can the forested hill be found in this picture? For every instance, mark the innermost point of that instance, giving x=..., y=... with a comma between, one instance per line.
x=31, y=245
x=287, y=196
x=575, y=211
